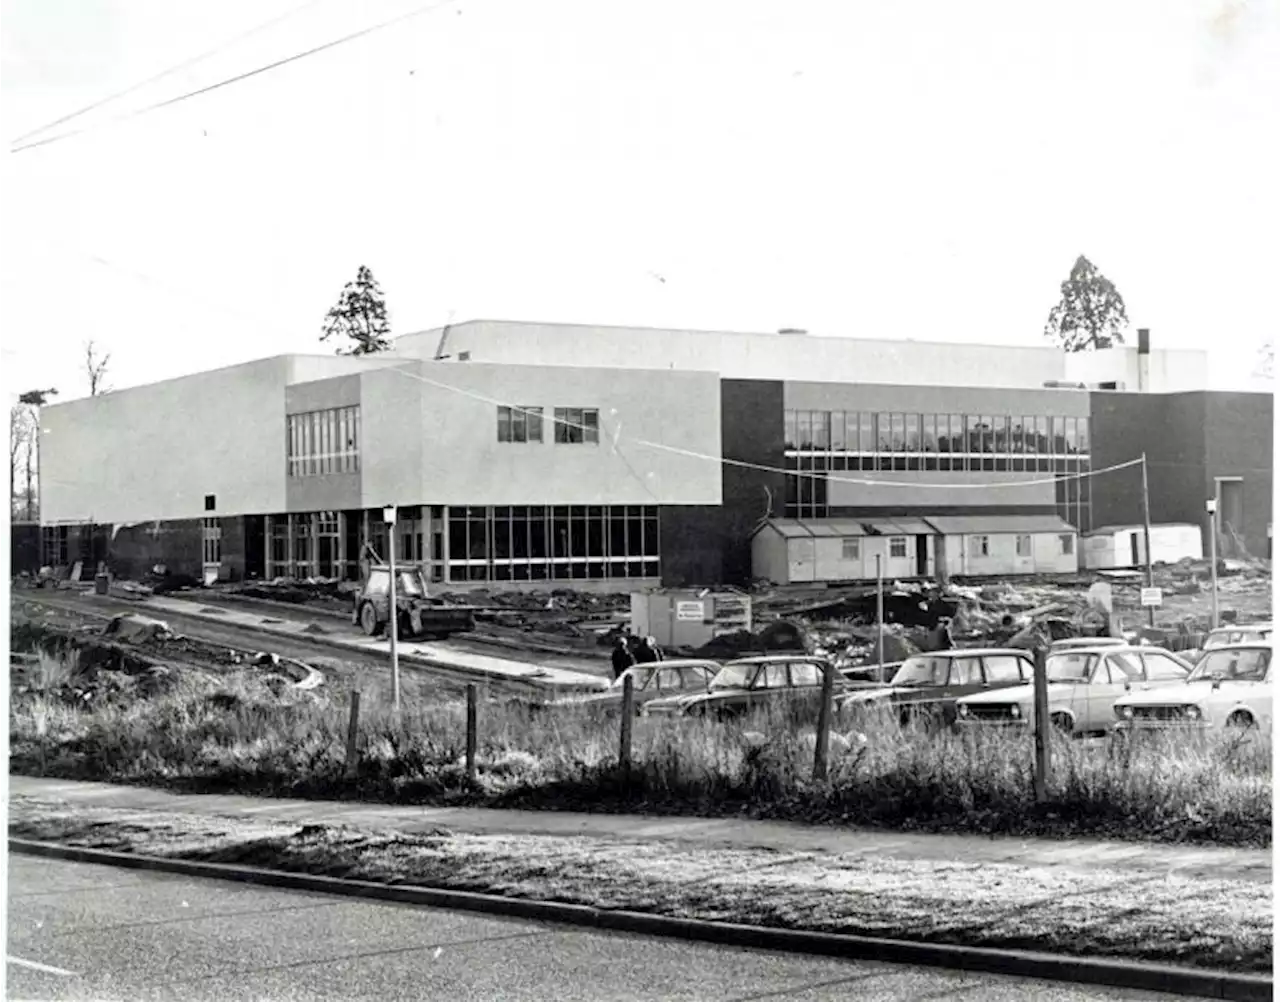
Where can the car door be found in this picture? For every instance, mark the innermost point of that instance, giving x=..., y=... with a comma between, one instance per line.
x=806, y=684
x=964, y=678
x=1005, y=669
x=1106, y=685
x=772, y=686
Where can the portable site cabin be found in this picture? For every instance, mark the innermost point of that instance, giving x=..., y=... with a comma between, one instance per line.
x=984, y=545
x=689, y=618
x=794, y=551
x=1117, y=546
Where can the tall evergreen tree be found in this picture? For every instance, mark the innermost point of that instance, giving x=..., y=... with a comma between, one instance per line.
x=1090, y=314
x=360, y=315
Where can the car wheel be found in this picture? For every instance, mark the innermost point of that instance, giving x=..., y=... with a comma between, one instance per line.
x=369, y=620
x=1062, y=723
x=1241, y=721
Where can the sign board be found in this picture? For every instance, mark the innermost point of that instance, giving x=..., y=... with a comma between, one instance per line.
x=1151, y=597
x=690, y=612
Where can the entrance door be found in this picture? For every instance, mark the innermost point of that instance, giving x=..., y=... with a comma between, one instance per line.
x=212, y=549
x=922, y=556
x=255, y=546
x=1135, y=557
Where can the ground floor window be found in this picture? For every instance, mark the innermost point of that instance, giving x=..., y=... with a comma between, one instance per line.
x=898, y=546
x=1024, y=546
x=212, y=541
x=53, y=548
x=551, y=542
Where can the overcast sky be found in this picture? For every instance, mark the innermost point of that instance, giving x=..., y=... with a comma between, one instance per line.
x=870, y=168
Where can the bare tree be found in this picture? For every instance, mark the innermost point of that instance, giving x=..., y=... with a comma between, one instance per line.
x=30, y=402
x=95, y=368
x=19, y=433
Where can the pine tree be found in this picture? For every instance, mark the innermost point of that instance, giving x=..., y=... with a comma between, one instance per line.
x=360, y=315
x=1090, y=314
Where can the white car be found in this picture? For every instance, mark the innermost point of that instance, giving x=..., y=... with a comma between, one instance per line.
x=1084, y=683
x=1230, y=687
x=1223, y=636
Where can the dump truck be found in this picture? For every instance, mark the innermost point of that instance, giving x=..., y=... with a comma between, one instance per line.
x=420, y=616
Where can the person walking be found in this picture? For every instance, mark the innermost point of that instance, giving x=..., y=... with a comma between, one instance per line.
x=622, y=657
x=648, y=652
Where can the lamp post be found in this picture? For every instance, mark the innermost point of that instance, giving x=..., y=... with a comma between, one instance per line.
x=880, y=615
x=389, y=517
x=1211, y=506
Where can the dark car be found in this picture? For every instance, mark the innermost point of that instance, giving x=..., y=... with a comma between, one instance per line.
x=746, y=684
x=927, y=686
x=650, y=681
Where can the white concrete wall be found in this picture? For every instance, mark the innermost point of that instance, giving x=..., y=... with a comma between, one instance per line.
x=744, y=355
x=937, y=489
x=154, y=452
x=1046, y=557
x=1167, y=371
x=430, y=435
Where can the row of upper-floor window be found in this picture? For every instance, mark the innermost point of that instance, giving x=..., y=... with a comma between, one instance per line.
x=323, y=442
x=571, y=425
x=989, y=434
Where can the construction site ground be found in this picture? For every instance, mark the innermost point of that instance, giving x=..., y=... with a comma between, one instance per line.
x=207, y=642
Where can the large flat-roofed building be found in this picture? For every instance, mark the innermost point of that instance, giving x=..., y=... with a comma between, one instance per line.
x=525, y=455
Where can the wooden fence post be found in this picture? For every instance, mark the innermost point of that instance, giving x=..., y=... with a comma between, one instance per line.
x=1042, y=726
x=353, y=733
x=472, y=729
x=628, y=717
x=823, y=735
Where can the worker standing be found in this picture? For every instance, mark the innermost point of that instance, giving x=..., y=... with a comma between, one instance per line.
x=648, y=652
x=622, y=657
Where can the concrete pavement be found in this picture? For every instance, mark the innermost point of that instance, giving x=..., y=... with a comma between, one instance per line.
x=80, y=931
x=1149, y=858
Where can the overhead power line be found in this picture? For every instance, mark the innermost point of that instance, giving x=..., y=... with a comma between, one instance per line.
x=416, y=12
x=185, y=64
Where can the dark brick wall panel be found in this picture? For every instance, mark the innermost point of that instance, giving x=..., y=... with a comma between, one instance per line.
x=233, y=548
x=1189, y=439
x=691, y=538
x=751, y=431
x=24, y=547
x=177, y=544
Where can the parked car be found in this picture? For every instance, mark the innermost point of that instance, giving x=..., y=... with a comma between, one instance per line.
x=1071, y=643
x=746, y=684
x=650, y=681
x=928, y=685
x=1230, y=687
x=1083, y=686
x=1222, y=636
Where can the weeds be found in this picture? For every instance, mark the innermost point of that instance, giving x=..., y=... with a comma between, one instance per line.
x=232, y=733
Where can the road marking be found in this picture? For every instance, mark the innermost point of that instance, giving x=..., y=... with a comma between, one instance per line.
x=32, y=965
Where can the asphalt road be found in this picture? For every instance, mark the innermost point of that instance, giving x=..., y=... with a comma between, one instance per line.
x=79, y=931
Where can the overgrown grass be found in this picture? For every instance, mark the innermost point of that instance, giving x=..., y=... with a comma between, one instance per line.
x=236, y=733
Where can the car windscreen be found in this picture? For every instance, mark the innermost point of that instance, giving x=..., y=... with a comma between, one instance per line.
x=1223, y=638
x=409, y=583
x=734, y=676
x=922, y=671
x=1238, y=664
x=1069, y=666
x=641, y=678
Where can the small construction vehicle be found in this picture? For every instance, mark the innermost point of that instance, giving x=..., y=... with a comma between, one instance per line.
x=420, y=617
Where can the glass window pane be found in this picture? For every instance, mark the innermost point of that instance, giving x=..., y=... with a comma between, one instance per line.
x=913, y=433
x=804, y=429
x=821, y=429
x=533, y=423
x=591, y=423
x=789, y=439
x=1072, y=445
x=897, y=432
x=504, y=424
x=837, y=431
x=1042, y=436
x=1082, y=435
x=956, y=433
x=866, y=432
